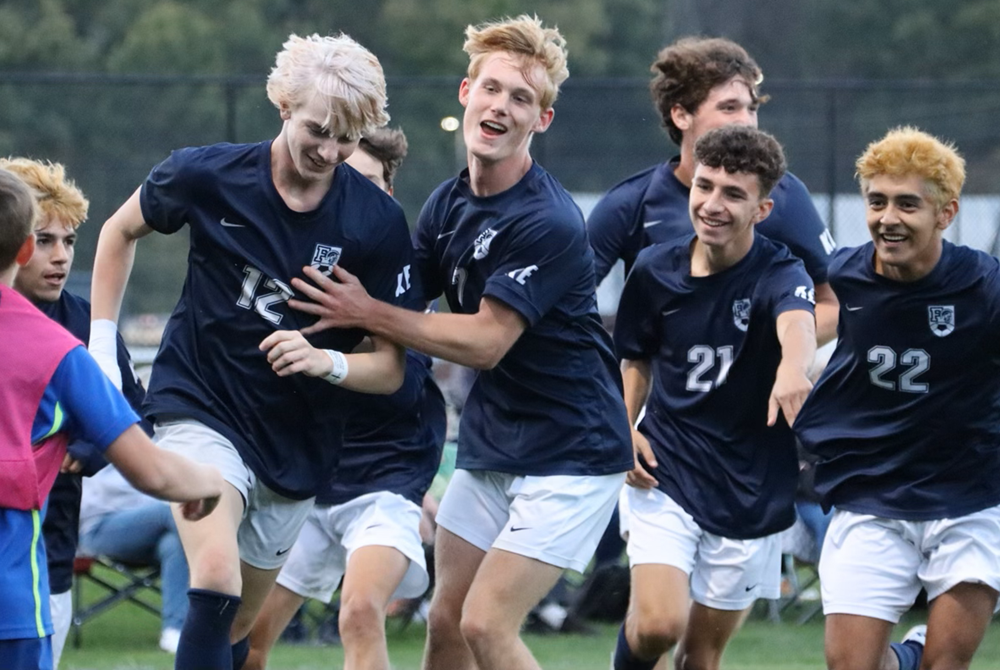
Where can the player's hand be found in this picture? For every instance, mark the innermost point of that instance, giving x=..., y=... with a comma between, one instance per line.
x=289, y=353
x=338, y=305
x=791, y=388
x=639, y=476
x=195, y=510
x=70, y=465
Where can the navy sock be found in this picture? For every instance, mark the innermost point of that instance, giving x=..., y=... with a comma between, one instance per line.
x=909, y=654
x=205, y=636
x=240, y=652
x=625, y=659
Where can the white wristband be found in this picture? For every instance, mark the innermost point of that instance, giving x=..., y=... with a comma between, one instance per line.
x=339, y=372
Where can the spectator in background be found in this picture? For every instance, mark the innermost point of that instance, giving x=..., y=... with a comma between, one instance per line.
x=62, y=207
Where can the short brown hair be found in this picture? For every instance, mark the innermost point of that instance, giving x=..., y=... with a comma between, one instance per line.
x=908, y=151
x=685, y=72
x=17, y=217
x=743, y=149
x=57, y=197
x=388, y=146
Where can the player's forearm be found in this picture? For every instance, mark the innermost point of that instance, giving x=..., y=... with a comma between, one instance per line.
x=797, y=336
x=827, y=313
x=160, y=473
x=637, y=380
x=380, y=371
x=112, y=267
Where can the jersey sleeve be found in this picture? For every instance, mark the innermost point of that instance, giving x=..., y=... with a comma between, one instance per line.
x=166, y=193
x=541, y=260
x=791, y=288
x=801, y=228
x=425, y=261
x=388, y=275
x=612, y=232
x=635, y=333
x=81, y=401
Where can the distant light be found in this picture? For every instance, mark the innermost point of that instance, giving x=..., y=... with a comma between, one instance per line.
x=450, y=124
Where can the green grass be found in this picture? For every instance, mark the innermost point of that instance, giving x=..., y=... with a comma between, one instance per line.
x=126, y=638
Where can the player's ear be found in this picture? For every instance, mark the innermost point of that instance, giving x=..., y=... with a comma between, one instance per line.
x=26, y=251
x=544, y=120
x=681, y=117
x=947, y=214
x=764, y=208
x=285, y=110
x=463, y=92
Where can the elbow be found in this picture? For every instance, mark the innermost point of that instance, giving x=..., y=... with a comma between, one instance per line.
x=153, y=483
x=390, y=383
x=486, y=359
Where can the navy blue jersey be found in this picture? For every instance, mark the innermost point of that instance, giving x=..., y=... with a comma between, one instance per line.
x=713, y=349
x=652, y=207
x=392, y=443
x=62, y=509
x=553, y=405
x=906, y=417
x=246, y=245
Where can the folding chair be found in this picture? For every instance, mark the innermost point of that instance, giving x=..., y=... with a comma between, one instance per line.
x=122, y=582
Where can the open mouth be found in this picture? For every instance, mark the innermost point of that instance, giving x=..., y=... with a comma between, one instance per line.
x=493, y=128
x=712, y=223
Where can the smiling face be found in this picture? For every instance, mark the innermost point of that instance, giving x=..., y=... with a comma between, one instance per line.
x=905, y=224
x=502, y=108
x=724, y=207
x=43, y=277
x=315, y=149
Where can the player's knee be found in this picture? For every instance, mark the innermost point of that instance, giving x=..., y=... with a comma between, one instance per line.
x=443, y=621
x=361, y=617
x=216, y=571
x=478, y=631
x=658, y=636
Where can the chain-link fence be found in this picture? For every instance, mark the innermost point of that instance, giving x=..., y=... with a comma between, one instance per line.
x=110, y=130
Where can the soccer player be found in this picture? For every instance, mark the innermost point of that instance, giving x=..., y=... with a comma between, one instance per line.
x=365, y=527
x=62, y=207
x=544, y=440
x=699, y=84
x=51, y=391
x=716, y=331
x=224, y=388
x=905, y=421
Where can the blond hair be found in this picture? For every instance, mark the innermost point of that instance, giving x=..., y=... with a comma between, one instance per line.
x=525, y=37
x=908, y=151
x=347, y=77
x=57, y=197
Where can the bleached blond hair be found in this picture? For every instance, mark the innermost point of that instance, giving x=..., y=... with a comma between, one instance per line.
x=57, y=197
x=345, y=75
x=526, y=37
x=908, y=151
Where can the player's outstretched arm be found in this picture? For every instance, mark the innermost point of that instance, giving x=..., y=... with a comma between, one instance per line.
x=112, y=267
x=827, y=313
x=637, y=377
x=164, y=474
x=797, y=335
x=379, y=370
x=477, y=340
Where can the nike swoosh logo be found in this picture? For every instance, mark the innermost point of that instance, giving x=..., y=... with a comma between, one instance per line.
x=282, y=552
x=671, y=311
x=446, y=234
x=228, y=224
x=854, y=309
x=650, y=224
x=514, y=530
x=751, y=588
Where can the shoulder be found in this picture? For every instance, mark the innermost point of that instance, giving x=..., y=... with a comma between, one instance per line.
x=195, y=163
x=662, y=255
x=848, y=259
x=626, y=194
x=549, y=206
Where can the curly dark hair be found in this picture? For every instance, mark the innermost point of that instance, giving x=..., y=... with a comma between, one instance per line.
x=743, y=149
x=388, y=146
x=686, y=71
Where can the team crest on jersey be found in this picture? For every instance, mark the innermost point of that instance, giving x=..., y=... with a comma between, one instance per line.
x=325, y=257
x=741, y=313
x=483, y=244
x=941, y=319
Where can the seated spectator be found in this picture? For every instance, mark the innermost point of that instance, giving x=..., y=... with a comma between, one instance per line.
x=121, y=523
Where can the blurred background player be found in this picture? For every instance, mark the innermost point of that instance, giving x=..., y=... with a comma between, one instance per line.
x=716, y=330
x=52, y=391
x=904, y=421
x=365, y=527
x=544, y=440
x=62, y=207
x=225, y=387
x=702, y=83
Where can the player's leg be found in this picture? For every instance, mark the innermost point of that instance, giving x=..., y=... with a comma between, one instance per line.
x=868, y=576
x=962, y=576
x=708, y=632
x=455, y=562
x=385, y=559
x=314, y=568
x=555, y=522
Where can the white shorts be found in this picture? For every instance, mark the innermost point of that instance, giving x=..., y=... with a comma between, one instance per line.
x=874, y=567
x=61, y=607
x=726, y=574
x=332, y=533
x=557, y=519
x=271, y=522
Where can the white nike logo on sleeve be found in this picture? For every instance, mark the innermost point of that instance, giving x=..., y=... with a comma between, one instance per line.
x=228, y=224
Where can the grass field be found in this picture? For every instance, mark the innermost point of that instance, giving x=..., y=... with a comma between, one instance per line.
x=125, y=639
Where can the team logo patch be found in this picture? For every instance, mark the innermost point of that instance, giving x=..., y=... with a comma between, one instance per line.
x=325, y=257
x=741, y=313
x=483, y=244
x=941, y=319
